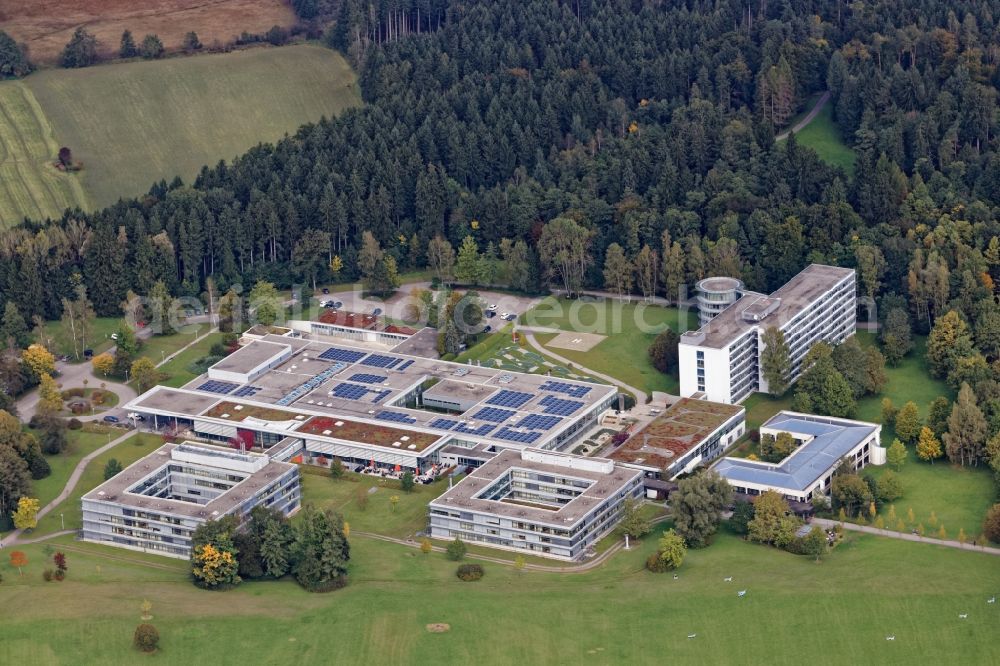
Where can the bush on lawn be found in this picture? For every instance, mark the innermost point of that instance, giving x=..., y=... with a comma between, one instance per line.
x=469, y=572
x=74, y=424
x=146, y=637
x=456, y=550
x=47, y=575
x=656, y=564
x=97, y=397
x=72, y=393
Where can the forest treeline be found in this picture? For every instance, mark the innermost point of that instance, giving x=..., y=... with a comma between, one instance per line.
x=645, y=124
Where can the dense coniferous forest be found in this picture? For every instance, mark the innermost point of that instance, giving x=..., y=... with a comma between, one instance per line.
x=646, y=124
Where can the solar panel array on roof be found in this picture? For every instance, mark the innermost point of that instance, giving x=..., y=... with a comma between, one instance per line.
x=477, y=432
x=539, y=422
x=506, y=398
x=380, y=361
x=493, y=414
x=349, y=391
x=214, y=386
x=365, y=378
x=572, y=390
x=443, y=424
x=345, y=355
x=395, y=417
x=405, y=365
x=515, y=436
x=558, y=406
x=380, y=396
x=246, y=391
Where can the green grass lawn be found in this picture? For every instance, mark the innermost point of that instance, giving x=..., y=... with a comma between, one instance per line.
x=959, y=496
x=99, y=339
x=409, y=515
x=630, y=329
x=910, y=380
x=158, y=347
x=823, y=136
x=126, y=453
x=838, y=611
x=135, y=123
x=80, y=444
x=178, y=371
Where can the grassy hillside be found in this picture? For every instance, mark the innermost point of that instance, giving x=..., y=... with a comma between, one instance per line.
x=134, y=123
x=29, y=184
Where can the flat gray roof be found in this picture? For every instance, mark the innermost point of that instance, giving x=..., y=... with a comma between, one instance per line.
x=463, y=494
x=250, y=356
x=115, y=489
x=832, y=440
x=796, y=294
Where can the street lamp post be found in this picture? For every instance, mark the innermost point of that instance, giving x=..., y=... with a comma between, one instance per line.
x=62, y=521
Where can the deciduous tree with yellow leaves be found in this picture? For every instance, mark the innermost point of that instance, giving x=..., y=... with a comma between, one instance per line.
x=213, y=568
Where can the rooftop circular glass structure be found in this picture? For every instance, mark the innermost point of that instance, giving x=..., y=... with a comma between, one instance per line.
x=715, y=294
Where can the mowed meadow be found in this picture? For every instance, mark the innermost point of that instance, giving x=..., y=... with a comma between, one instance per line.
x=29, y=184
x=132, y=124
x=795, y=611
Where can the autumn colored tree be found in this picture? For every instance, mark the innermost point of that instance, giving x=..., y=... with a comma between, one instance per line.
x=39, y=360
x=425, y=546
x=928, y=446
x=908, y=422
x=26, y=515
x=18, y=559
x=103, y=363
x=214, y=568
x=49, y=397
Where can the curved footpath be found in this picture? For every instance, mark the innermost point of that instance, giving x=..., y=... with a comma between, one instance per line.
x=74, y=478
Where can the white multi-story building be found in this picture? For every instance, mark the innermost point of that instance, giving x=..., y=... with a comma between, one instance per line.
x=721, y=360
x=549, y=504
x=155, y=504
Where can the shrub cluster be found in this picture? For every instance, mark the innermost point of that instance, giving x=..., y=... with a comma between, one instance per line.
x=469, y=572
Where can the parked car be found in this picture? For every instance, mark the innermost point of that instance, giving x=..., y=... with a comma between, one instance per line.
x=325, y=290
x=493, y=306
x=111, y=419
x=114, y=336
x=88, y=353
x=377, y=311
x=490, y=314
